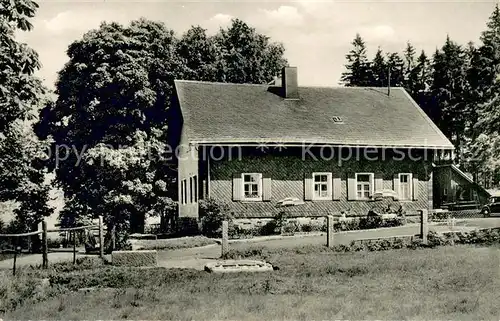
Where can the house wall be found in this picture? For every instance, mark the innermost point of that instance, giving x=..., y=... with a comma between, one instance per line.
x=288, y=169
x=442, y=186
x=187, y=168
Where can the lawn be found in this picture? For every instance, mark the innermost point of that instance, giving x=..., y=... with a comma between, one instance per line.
x=460, y=282
x=173, y=244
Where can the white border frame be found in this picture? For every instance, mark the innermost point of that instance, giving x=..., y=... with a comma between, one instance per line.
x=400, y=196
x=259, y=184
x=372, y=186
x=329, y=186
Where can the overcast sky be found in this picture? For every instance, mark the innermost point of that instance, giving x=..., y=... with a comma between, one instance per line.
x=316, y=35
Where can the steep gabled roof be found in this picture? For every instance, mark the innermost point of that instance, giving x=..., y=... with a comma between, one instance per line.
x=460, y=173
x=242, y=113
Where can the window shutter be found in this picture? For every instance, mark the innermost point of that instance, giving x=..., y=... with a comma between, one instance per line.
x=180, y=194
x=308, y=188
x=415, y=188
x=266, y=189
x=351, y=188
x=379, y=184
x=237, y=188
x=395, y=184
x=337, y=188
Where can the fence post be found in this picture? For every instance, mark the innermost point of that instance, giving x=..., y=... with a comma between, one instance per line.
x=15, y=256
x=329, y=231
x=74, y=247
x=424, y=225
x=101, y=238
x=45, y=246
x=225, y=238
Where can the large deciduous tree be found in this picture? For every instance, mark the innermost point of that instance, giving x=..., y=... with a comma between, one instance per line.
x=109, y=122
x=246, y=56
x=22, y=178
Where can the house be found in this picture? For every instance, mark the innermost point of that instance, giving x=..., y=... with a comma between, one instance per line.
x=454, y=189
x=251, y=146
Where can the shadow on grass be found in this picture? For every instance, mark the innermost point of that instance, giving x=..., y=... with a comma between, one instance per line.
x=458, y=282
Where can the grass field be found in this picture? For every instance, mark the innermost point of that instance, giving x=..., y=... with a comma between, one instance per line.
x=173, y=244
x=459, y=282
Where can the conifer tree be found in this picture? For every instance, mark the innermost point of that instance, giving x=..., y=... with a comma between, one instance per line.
x=483, y=104
x=448, y=89
x=358, y=67
x=379, y=69
x=396, y=66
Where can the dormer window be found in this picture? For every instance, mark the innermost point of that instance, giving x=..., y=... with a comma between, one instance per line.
x=337, y=119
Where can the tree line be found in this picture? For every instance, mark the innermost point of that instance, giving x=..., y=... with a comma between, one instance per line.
x=457, y=86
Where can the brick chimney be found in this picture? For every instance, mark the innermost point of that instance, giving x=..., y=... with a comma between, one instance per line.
x=289, y=83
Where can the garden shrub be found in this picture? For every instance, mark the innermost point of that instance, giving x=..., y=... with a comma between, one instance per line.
x=281, y=219
x=434, y=239
x=187, y=226
x=439, y=216
x=398, y=243
x=234, y=231
x=392, y=222
x=283, y=223
x=289, y=228
x=270, y=228
x=306, y=228
x=370, y=222
x=212, y=214
x=348, y=225
x=54, y=243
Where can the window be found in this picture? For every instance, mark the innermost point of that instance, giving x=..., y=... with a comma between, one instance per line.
x=405, y=186
x=322, y=186
x=445, y=191
x=191, y=190
x=183, y=191
x=252, y=186
x=364, y=186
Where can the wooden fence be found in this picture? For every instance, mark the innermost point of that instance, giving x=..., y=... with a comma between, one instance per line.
x=330, y=234
x=45, y=248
